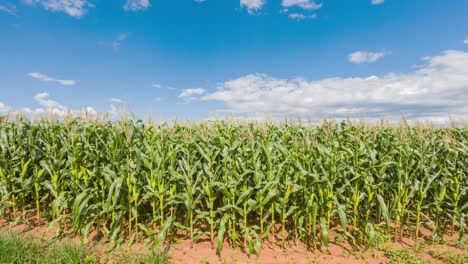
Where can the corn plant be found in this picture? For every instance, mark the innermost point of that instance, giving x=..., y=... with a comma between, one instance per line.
x=245, y=183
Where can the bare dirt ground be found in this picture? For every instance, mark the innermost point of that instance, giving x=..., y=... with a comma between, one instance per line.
x=183, y=252
x=339, y=252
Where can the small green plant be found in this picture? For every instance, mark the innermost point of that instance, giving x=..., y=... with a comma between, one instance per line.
x=449, y=257
x=15, y=248
x=204, y=261
x=401, y=256
x=18, y=249
x=155, y=258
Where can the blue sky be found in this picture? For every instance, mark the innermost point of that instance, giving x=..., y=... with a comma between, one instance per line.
x=194, y=59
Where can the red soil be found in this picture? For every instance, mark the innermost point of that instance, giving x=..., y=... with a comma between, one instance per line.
x=203, y=252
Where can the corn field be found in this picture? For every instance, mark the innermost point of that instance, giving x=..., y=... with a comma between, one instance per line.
x=244, y=183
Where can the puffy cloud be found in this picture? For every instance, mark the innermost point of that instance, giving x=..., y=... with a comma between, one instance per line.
x=47, y=105
x=252, y=5
x=189, y=93
x=465, y=41
x=304, y=4
x=156, y=85
x=74, y=8
x=46, y=78
x=436, y=90
x=136, y=5
x=377, y=2
x=360, y=57
x=50, y=106
x=43, y=100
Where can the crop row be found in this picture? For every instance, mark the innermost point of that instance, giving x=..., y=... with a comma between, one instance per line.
x=241, y=183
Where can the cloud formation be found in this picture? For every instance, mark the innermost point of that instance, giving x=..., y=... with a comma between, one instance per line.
x=437, y=90
x=117, y=100
x=73, y=8
x=191, y=92
x=465, y=41
x=304, y=4
x=46, y=78
x=360, y=57
x=47, y=105
x=252, y=5
x=136, y=5
x=50, y=106
x=117, y=107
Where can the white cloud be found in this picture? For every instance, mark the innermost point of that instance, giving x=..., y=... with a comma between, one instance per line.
x=46, y=78
x=50, y=106
x=377, y=2
x=190, y=93
x=304, y=4
x=4, y=108
x=360, y=57
x=118, y=41
x=298, y=16
x=136, y=5
x=159, y=86
x=252, y=5
x=465, y=41
x=90, y=110
x=73, y=8
x=117, y=110
x=8, y=8
x=437, y=90
x=47, y=105
x=117, y=107
x=43, y=100
x=117, y=100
